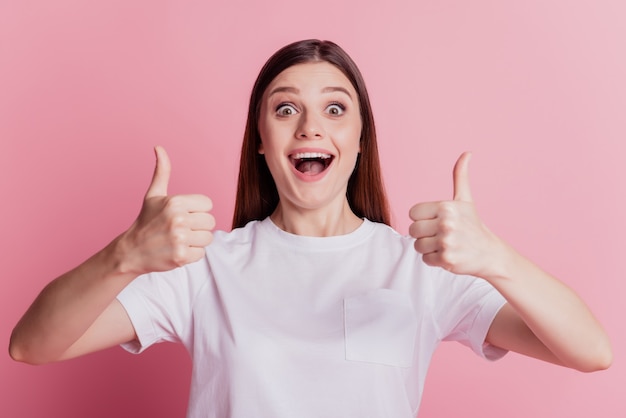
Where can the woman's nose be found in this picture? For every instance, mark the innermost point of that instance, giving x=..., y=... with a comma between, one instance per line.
x=309, y=127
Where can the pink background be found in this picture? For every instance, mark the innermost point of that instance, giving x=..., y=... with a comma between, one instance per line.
x=536, y=89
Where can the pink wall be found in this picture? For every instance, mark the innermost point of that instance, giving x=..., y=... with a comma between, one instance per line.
x=536, y=89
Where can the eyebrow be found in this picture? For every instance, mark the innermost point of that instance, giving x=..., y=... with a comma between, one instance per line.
x=333, y=89
x=296, y=91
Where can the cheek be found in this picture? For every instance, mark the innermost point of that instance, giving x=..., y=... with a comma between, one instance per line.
x=275, y=136
x=271, y=146
x=267, y=138
x=351, y=135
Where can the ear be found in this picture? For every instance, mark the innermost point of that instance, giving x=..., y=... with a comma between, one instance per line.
x=261, y=150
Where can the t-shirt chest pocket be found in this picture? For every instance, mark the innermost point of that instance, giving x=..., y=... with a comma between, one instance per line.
x=380, y=327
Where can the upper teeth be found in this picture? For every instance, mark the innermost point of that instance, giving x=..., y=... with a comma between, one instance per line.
x=302, y=155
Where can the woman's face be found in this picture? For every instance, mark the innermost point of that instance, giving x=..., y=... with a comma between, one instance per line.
x=310, y=127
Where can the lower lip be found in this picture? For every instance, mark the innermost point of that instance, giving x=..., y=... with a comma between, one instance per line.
x=311, y=178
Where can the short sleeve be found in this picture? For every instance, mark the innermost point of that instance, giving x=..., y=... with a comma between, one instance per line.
x=465, y=308
x=160, y=306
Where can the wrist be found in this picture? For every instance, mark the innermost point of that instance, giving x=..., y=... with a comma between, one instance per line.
x=118, y=257
x=503, y=260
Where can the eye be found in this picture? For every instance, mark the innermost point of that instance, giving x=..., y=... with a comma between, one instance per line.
x=335, y=109
x=286, y=109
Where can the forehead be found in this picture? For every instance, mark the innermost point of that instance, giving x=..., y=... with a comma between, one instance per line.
x=311, y=75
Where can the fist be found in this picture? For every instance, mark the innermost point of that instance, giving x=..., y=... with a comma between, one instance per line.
x=170, y=231
x=449, y=234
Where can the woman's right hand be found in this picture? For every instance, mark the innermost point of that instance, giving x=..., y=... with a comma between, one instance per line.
x=170, y=231
x=77, y=313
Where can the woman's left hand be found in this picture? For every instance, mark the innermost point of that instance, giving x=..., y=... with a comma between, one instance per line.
x=544, y=318
x=449, y=234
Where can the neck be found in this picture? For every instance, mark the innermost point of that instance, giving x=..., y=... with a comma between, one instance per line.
x=316, y=222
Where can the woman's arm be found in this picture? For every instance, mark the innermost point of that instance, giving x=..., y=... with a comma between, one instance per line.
x=543, y=318
x=77, y=313
x=56, y=324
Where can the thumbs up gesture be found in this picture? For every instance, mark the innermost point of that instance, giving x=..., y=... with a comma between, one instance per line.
x=449, y=234
x=170, y=231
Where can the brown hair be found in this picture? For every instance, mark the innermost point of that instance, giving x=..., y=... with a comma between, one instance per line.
x=257, y=196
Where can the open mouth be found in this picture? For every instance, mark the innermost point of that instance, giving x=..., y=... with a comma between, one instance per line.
x=311, y=163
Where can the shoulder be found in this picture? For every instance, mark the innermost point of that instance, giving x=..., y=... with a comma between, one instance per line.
x=386, y=235
x=231, y=245
x=387, y=230
x=236, y=236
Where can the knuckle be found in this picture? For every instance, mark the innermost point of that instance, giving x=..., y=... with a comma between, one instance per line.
x=178, y=237
x=177, y=221
x=446, y=244
x=447, y=225
x=179, y=256
x=448, y=267
x=448, y=260
x=445, y=257
x=447, y=209
x=445, y=262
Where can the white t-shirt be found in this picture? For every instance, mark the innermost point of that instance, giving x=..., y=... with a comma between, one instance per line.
x=282, y=326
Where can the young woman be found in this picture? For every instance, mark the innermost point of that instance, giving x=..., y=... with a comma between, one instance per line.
x=312, y=305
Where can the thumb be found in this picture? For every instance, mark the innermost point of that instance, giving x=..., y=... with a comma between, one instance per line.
x=161, y=176
x=462, y=189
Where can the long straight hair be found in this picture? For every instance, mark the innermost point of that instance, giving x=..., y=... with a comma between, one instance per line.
x=257, y=196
